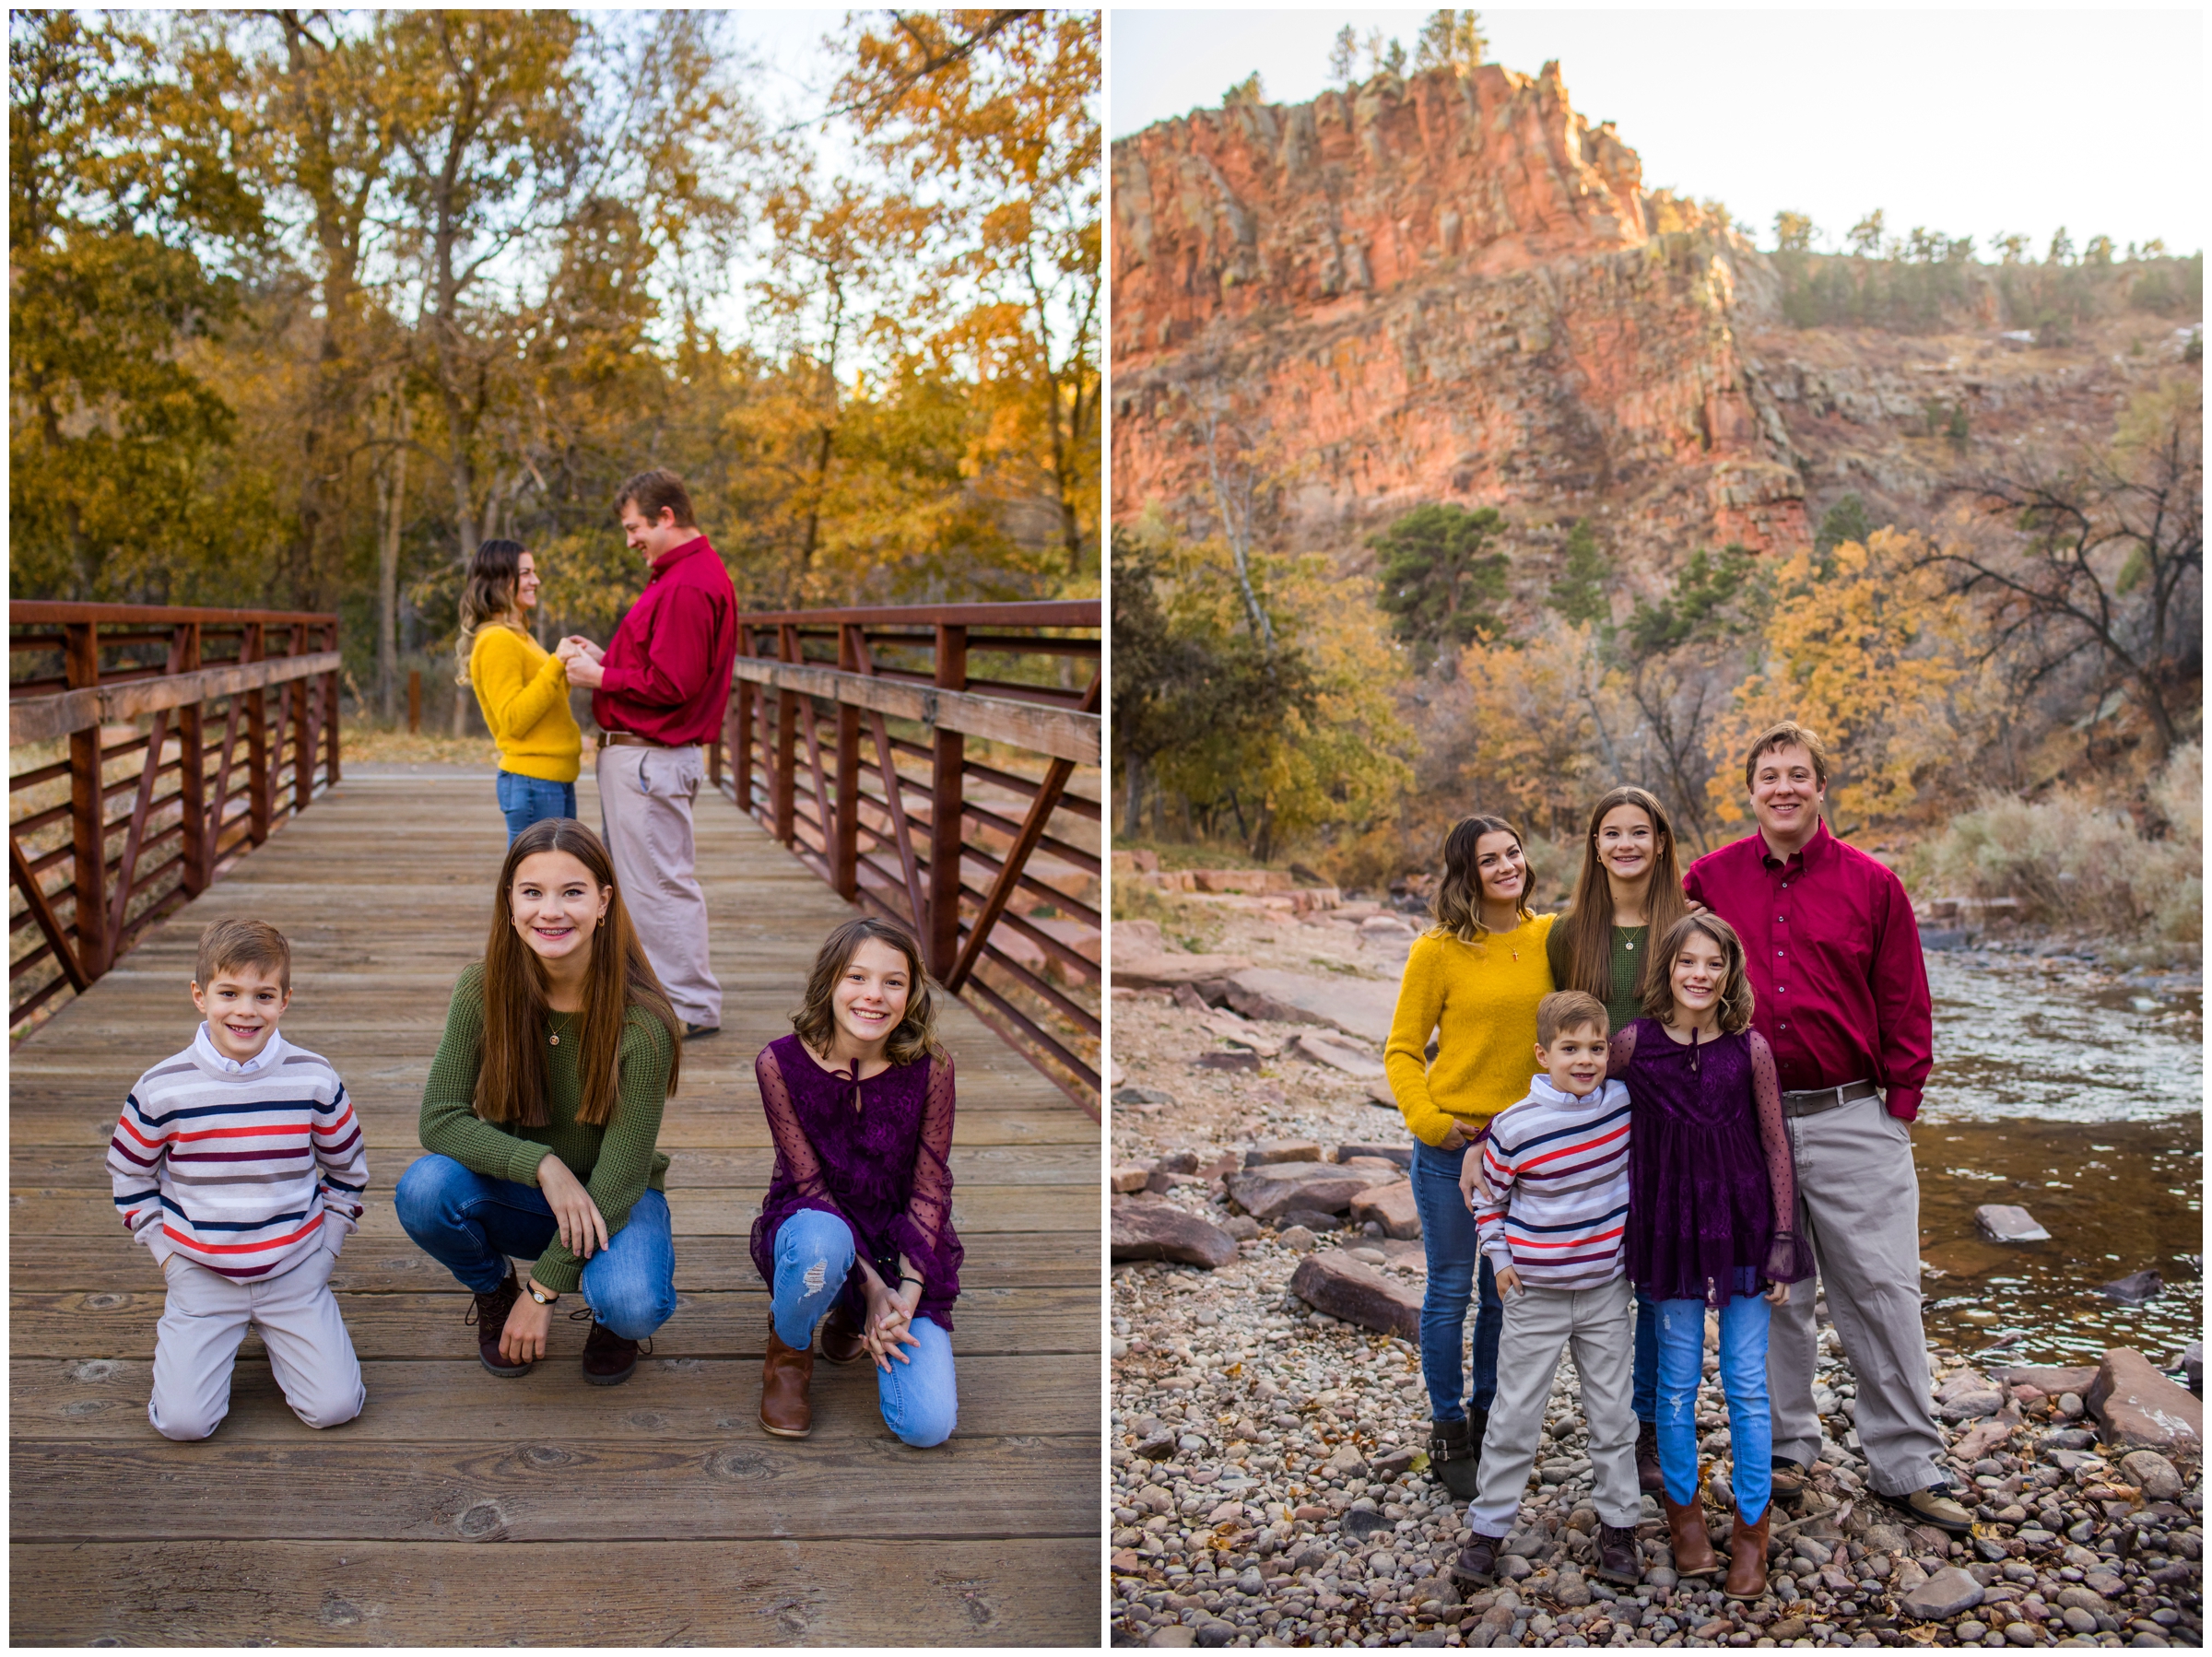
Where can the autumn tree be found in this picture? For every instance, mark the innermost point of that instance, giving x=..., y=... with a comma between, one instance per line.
x=1438, y=581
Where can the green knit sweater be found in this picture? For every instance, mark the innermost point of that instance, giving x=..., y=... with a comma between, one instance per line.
x=616, y=1162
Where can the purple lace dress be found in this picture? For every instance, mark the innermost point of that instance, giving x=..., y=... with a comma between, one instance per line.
x=1710, y=1165
x=872, y=1153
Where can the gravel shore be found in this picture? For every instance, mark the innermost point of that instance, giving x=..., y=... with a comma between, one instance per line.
x=1269, y=1486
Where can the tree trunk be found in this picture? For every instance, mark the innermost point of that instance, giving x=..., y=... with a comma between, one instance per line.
x=387, y=570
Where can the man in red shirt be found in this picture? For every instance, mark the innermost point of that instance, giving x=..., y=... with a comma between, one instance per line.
x=1842, y=996
x=658, y=692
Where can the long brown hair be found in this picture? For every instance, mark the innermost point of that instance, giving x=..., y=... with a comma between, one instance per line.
x=490, y=596
x=511, y=1082
x=1588, y=926
x=915, y=1034
x=1457, y=905
x=1736, y=989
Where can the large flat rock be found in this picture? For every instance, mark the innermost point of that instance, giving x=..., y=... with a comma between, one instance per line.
x=1275, y=1189
x=1170, y=968
x=1359, y=1007
x=1162, y=1231
x=1391, y=1207
x=1331, y=1281
x=2141, y=1408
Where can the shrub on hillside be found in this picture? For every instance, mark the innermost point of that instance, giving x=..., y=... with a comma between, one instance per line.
x=2076, y=864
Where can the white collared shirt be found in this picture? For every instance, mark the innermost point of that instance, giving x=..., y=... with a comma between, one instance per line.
x=204, y=1045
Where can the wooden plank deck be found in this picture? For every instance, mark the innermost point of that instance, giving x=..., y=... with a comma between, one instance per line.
x=655, y=1512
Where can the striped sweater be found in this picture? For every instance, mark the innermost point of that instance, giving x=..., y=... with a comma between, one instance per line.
x=240, y=1170
x=1558, y=1166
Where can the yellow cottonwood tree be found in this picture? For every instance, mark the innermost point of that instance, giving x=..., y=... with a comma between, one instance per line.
x=1542, y=722
x=1870, y=653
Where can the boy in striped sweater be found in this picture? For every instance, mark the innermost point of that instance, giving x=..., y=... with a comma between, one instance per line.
x=1548, y=1186
x=238, y=1163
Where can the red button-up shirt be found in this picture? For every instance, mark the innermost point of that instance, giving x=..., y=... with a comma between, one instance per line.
x=1833, y=951
x=668, y=670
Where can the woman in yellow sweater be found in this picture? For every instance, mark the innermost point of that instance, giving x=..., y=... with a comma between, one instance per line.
x=523, y=690
x=1475, y=979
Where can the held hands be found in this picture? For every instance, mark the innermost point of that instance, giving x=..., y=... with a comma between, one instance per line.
x=583, y=659
x=889, y=1320
x=583, y=1231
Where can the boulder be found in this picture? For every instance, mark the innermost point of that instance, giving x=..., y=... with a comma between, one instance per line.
x=2135, y=1288
x=1271, y=1192
x=1400, y=1154
x=1131, y=1176
x=1966, y=1396
x=1332, y=1282
x=2158, y=1478
x=1946, y=1593
x=1170, y=968
x=1298, y=1239
x=1230, y=1027
x=2056, y=1381
x=1391, y=1206
x=1357, y=1006
x=1312, y=1221
x=1242, y=1227
x=2002, y=1222
x=1162, y=1231
x=2141, y=1407
x=1336, y=1055
x=1379, y=1093
x=1282, y=1150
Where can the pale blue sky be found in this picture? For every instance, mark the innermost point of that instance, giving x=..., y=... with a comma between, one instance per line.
x=1970, y=122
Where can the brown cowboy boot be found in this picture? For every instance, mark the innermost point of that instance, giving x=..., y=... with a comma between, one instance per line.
x=784, y=1380
x=1685, y=1534
x=1746, y=1578
x=840, y=1342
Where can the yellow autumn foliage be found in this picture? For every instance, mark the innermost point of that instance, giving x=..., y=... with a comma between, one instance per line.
x=1541, y=718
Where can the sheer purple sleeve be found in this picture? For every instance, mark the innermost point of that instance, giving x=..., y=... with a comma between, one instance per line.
x=924, y=1231
x=1619, y=1051
x=794, y=1149
x=1788, y=1257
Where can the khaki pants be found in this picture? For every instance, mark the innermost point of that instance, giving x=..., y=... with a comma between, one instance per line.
x=1595, y=1321
x=196, y=1346
x=1858, y=1203
x=645, y=796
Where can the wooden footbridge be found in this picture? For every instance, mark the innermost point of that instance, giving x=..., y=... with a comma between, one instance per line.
x=459, y=1508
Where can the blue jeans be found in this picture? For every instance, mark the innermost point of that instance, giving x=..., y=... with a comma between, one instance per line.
x=473, y=1224
x=1448, y=1238
x=527, y=800
x=814, y=1254
x=1645, y=1381
x=1743, y=1378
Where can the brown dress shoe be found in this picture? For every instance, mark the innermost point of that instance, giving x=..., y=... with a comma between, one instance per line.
x=1746, y=1578
x=840, y=1342
x=608, y=1359
x=489, y=1315
x=1618, y=1560
x=783, y=1381
x=1649, y=1479
x=1685, y=1534
x=1477, y=1562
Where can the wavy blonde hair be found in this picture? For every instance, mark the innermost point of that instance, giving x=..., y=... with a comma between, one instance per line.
x=1458, y=906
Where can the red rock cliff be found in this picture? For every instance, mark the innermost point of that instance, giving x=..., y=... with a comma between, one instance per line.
x=1439, y=288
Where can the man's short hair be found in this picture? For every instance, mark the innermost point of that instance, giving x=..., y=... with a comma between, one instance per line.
x=1569, y=1010
x=227, y=945
x=1789, y=733
x=655, y=491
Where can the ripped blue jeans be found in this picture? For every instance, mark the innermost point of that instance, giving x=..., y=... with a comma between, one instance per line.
x=814, y=1254
x=1743, y=1378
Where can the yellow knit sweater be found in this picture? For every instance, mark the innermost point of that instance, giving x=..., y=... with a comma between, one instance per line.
x=525, y=694
x=1481, y=999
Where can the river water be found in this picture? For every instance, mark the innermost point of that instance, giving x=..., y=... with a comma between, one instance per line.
x=2079, y=1097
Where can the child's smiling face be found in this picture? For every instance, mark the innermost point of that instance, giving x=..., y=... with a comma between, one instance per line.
x=1697, y=976
x=1576, y=1059
x=242, y=1007
x=872, y=995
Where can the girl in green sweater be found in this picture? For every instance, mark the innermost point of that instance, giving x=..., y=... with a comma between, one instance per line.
x=542, y=1117
x=522, y=691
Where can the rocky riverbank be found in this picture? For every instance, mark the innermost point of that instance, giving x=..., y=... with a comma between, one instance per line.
x=1269, y=1480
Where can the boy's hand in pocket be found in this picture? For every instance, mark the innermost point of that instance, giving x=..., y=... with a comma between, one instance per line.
x=1509, y=1284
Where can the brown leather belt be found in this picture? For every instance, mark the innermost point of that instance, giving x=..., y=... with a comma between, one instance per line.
x=1812, y=1101
x=631, y=739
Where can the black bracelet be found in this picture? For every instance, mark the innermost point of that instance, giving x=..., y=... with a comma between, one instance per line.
x=904, y=1281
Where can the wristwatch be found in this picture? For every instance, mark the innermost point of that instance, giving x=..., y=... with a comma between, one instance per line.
x=539, y=1295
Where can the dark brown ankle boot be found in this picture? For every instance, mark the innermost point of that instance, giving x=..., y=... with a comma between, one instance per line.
x=608, y=1359
x=840, y=1342
x=489, y=1315
x=1649, y=1479
x=783, y=1382
x=1685, y=1534
x=1746, y=1578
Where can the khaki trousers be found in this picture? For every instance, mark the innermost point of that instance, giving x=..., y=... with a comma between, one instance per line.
x=1858, y=1203
x=645, y=797
x=1595, y=1321
x=195, y=1348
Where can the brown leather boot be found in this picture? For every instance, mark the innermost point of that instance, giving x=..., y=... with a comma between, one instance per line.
x=608, y=1359
x=1685, y=1534
x=1746, y=1578
x=783, y=1381
x=1649, y=1479
x=489, y=1315
x=840, y=1342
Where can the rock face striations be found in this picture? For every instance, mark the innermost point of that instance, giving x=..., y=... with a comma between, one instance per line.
x=1439, y=288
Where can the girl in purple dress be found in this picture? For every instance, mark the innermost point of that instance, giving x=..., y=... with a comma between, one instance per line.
x=856, y=1233
x=1712, y=1204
